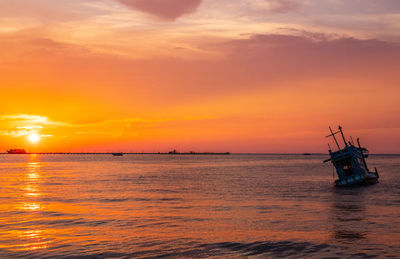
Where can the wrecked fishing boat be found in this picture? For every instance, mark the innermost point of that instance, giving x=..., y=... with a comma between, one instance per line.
x=349, y=162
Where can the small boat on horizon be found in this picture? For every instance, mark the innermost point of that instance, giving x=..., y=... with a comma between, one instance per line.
x=350, y=164
x=117, y=154
x=16, y=151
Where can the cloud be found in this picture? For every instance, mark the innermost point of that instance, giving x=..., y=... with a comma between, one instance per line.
x=23, y=125
x=358, y=6
x=310, y=54
x=280, y=6
x=164, y=9
x=262, y=61
x=25, y=118
x=275, y=6
x=46, y=11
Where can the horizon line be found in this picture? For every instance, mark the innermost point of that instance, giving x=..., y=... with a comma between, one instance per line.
x=180, y=153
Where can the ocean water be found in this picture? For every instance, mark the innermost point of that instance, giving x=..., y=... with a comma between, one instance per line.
x=194, y=206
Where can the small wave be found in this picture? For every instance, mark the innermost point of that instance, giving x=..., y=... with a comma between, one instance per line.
x=65, y=222
x=113, y=200
x=349, y=236
x=280, y=248
x=162, y=190
x=170, y=199
x=50, y=183
x=274, y=249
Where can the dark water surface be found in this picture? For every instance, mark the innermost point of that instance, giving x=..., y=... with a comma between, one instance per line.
x=140, y=206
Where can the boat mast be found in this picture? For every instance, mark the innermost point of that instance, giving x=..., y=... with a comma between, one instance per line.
x=362, y=153
x=352, y=141
x=333, y=135
x=341, y=132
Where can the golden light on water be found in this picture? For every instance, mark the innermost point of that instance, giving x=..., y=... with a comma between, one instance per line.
x=32, y=237
x=35, y=240
x=31, y=188
x=32, y=206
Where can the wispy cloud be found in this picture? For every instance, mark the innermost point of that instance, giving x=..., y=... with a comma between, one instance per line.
x=23, y=125
x=276, y=6
x=30, y=121
x=168, y=10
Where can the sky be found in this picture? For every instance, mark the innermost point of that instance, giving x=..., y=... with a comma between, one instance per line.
x=198, y=75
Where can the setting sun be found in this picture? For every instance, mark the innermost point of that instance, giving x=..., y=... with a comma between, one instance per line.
x=34, y=138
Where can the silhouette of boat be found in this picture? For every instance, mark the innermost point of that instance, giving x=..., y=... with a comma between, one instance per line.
x=16, y=151
x=117, y=154
x=350, y=164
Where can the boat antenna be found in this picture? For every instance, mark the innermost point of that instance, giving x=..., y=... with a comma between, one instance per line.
x=352, y=141
x=341, y=132
x=333, y=135
x=362, y=153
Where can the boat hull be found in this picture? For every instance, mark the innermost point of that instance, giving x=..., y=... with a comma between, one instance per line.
x=367, y=179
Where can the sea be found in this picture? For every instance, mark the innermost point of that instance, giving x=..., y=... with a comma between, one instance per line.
x=194, y=206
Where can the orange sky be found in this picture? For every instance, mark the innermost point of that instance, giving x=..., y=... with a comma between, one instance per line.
x=228, y=75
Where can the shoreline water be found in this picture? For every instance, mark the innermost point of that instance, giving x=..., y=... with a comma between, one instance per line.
x=234, y=206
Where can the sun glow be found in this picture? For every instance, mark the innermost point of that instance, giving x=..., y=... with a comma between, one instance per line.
x=34, y=138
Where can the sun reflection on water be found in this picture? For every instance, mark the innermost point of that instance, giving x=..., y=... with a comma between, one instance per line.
x=31, y=206
x=31, y=188
x=31, y=185
x=32, y=238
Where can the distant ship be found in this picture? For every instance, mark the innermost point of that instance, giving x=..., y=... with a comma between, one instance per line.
x=350, y=164
x=16, y=151
x=174, y=152
x=117, y=154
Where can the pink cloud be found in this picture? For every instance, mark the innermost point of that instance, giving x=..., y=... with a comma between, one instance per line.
x=283, y=6
x=168, y=10
x=259, y=62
